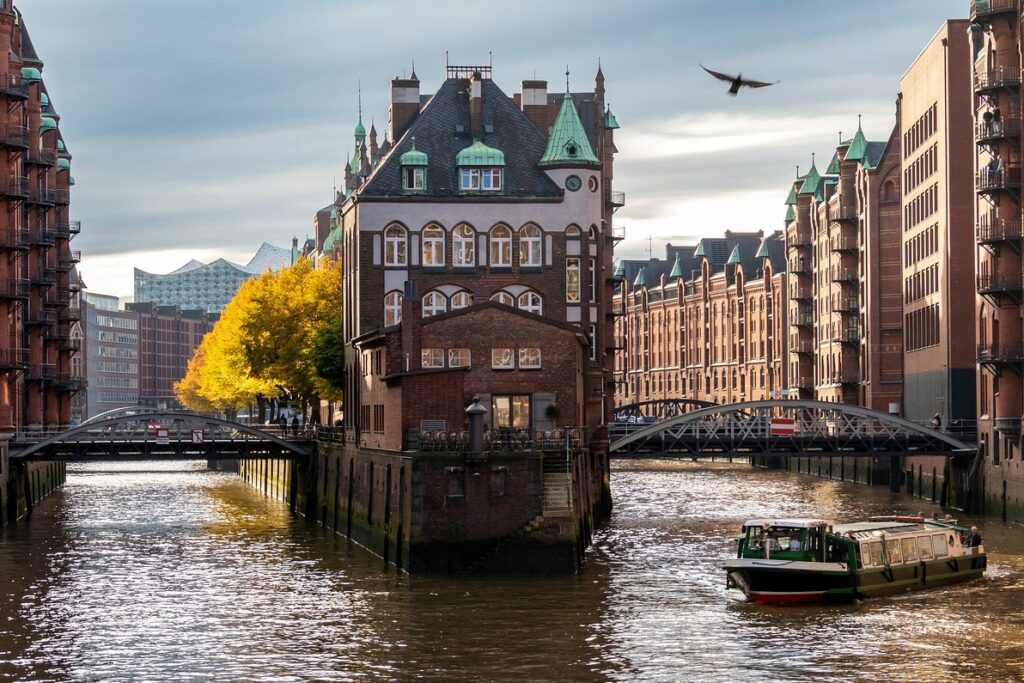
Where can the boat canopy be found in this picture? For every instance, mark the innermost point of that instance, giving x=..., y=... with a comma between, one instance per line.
x=792, y=523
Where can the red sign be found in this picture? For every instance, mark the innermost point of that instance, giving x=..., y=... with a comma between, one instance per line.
x=782, y=426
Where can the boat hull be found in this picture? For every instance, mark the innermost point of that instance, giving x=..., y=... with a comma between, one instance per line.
x=785, y=582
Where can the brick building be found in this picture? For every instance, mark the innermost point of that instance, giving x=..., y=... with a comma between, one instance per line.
x=711, y=328
x=111, y=355
x=35, y=283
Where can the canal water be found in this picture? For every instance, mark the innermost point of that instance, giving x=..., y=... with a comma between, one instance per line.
x=167, y=572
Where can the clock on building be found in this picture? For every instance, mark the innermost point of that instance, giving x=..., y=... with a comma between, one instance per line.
x=573, y=183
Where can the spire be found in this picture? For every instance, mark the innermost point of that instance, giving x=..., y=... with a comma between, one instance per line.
x=600, y=76
x=412, y=76
x=810, y=184
x=858, y=145
x=568, y=143
x=360, y=129
x=734, y=257
x=620, y=269
x=640, y=280
x=677, y=268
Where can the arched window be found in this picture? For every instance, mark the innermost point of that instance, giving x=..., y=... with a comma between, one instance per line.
x=529, y=246
x=394, y=246
x=392, y=308
x=463, y=246
x=461, y=300
x=572, y=232
x=501, y=246
x=531, y=302
x=503, y=298
x=434, y=303
x=433, y=246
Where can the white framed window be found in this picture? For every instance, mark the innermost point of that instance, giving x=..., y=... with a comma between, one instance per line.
x=433, y=246
x=434, y=303
x=572, y=279
x=463, y=246
x=503, y=358
x=592, y=331
x=531, y=302
x=394, y=246
x=488, y=179
x=414, y=178
x=458, y=358
x=529, y=358
x=501, y=246
x=530, y=246
x=461, y=300
x=504, y=298
x=432, y=358
x=392, y=308
x=592, y=278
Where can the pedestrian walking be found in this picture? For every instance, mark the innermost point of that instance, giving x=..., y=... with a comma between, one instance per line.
x=282, y=421
x=295, y=425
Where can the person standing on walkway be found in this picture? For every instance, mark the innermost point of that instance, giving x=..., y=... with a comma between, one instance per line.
x=295, y=425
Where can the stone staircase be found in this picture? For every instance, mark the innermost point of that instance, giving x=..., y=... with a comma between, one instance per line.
x=556, y=488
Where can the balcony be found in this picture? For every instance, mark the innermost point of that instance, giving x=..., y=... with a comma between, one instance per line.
x=843, y=213
x=66, y=261
x=798, y=239
x=616, y=199
x=985, y=9
x=801, y=292
x=14, y=136
x=41, y=157
x=13, y=85
x=995, y=354
x=1008, y=127
x=69, y=315
x=801, y=267
x=72, y=345
x=994, y=79
x=843, y=275
x=42, y=195
x=1008, y=426
x=843, y=304
x=617, y=233
x=14, y=289
x=61, y=333
x=996, y=231
x=843, y=244
x=802, y=346
x=16, y=187
x=40, y=317
x=803, y=383
x=45, y=236
x=65, y=381
x=17, y=238
x=38, y=372
x=13, y=359
x=802, y=320
x=844, y=378
x=851, y=335
x=75, y=227
x=999, y=283
x=62, y=197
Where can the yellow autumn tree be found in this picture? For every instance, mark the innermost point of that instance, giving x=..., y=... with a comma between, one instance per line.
x=262, y=346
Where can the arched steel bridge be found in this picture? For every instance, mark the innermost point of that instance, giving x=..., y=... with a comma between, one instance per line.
x=660, y=409
x=753, y=428
x=128, y=434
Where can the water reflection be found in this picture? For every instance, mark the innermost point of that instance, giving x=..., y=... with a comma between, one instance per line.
x=171, y=572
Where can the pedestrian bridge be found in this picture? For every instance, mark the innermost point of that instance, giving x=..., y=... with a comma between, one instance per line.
x=782, y=427
x=129, y=434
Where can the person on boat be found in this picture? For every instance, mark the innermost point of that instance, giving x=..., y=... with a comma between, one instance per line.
x=973, y=539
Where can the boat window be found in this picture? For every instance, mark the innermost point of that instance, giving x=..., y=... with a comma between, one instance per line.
x=892, y=546
x=924, y=547
x=779, y=539
x=865, y=555
x=876, y=553
x=939, y=545
x=909, y=547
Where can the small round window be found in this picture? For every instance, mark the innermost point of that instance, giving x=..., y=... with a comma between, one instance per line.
x=592, y=183
x=573, y=183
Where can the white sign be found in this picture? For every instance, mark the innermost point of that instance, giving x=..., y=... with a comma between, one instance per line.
x=782, y=426
x=197, y=436
x=161, y=437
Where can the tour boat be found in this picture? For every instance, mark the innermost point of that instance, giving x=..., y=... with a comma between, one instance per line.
x=814, y=560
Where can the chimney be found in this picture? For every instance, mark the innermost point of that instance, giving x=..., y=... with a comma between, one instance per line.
x=476, y=106
x=535, y=103
x=405, y=105
x=412, y=321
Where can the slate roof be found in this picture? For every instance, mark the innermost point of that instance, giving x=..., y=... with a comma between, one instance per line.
x=442, y=129
x=873, y=153
x=718, y=250
x=28, y=50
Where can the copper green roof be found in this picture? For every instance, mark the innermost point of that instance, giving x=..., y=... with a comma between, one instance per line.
x=858, y=145
x=609, y=119
x=47, y=123
x=332, y=237
x=790, y=214
x=640, y=281
x=791, y=199
x=30, y=73
x=833, y=166
x=479, y=154
x=810, y=185
x=44, y=99
x=568, y=143
x=762, y=251
x=677, y=268
x=64, y=164
x=71, y=180
x=413, y=157
x=734, y=257
x=620, y=269
x=60, y=145
x=700, y=251
x=360, y=130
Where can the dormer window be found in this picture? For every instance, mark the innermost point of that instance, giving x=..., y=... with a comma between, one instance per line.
x=480, y=168
x=414, y=169
x=480, y=179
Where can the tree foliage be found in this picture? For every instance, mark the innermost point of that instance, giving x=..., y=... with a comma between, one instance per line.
x=263, y=344
x=328, y=363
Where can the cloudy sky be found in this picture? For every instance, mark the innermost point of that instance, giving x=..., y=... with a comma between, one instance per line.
x=203, y=128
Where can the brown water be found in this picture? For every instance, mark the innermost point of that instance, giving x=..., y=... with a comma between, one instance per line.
x=166, y=572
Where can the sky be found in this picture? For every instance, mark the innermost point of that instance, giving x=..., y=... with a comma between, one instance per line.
x=201, y=129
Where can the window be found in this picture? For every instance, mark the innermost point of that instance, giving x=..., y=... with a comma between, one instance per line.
x=414, y=178
x=432, y=358
x=529, y=246
x=434, y=303
x=531, y=302
x=394, y=246
x=433, y=246
x=461, y=300
x=592, y=331
x=458, y=358
x=592, y=279
x=529, y=358
x=503, y=358
x=501, y=246
x=488, y=179
x=503, y=298
x=939, y=546
x=511, y=412
x=392, y=308
x=572, y=279
x=924, y=547
x=463, y=244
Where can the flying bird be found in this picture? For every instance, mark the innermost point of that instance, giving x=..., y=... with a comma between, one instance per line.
x=737, y=81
